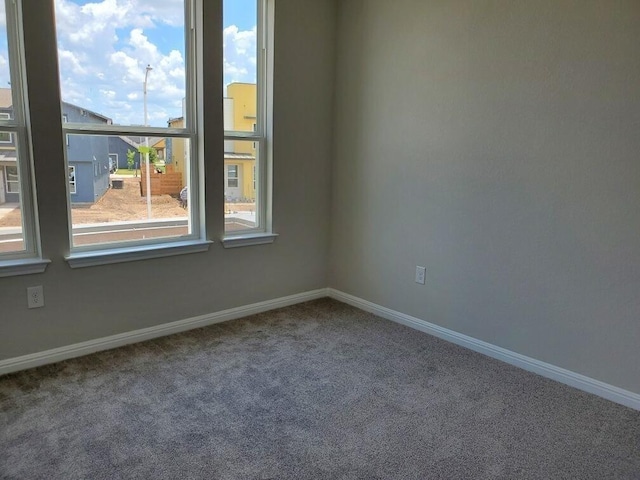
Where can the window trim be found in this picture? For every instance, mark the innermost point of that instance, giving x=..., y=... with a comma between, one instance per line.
x=262, y=134
x=134, y=253
x=28, y=260
x=115, y=252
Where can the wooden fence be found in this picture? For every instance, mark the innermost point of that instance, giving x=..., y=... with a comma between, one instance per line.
x=169, y=183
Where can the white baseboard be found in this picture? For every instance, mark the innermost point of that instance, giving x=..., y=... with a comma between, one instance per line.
x=604, y=390
x=113, y=341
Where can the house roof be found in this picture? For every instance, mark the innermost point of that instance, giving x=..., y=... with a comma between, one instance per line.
x=6, y=101
x=5, y=98
x=8, y=156
x=95, y=114
x=130, y=141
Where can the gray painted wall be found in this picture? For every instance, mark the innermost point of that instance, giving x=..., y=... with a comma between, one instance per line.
x=78, y=304
x=498, y=144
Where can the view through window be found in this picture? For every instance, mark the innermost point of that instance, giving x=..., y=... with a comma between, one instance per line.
x=127, y=80
x=17, y=226
x=127, y=76
x=244, y=113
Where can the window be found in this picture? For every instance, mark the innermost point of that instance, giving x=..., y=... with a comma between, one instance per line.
x=11, y=178
x=19, y=246
x=247, y=118
x=137, y=74
x=72, y=180
x=232, y=176
x=5, y=137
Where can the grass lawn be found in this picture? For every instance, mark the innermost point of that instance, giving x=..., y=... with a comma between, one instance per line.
x=124, y=171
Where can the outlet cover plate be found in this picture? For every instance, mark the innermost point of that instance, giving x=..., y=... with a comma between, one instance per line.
x=35, y=297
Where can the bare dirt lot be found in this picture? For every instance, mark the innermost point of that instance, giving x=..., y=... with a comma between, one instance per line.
x=125, y=204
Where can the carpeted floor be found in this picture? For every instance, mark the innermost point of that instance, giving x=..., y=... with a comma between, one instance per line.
x=317, y=390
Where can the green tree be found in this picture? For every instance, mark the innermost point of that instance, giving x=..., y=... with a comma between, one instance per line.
x=153, y=154
x=131, y=158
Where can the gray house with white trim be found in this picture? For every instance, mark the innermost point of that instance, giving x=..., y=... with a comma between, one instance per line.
x=87, y=156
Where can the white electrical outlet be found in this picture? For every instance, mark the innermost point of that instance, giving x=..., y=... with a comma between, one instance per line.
x=421, y=272
x=35, y=297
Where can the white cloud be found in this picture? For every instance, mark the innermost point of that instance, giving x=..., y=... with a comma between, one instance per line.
x=70, y=62
x=109, y=94
x=239, y=54
x=104, y=48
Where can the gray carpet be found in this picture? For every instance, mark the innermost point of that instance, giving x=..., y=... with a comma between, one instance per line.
x=317, y=390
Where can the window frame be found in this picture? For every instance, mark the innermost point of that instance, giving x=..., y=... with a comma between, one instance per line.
x=235, y=177
x=28, y=260
x=192, y=131
x=261, y=136
x=6, y=116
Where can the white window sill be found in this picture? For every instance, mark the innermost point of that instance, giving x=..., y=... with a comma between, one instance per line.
x=25, y=266
x=132, y=254
x=233, y=241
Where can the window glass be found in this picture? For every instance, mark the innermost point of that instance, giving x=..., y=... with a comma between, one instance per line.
x=104, y=49
x=245, y=123
x=126, y=116
x=120, y=214
x=17, y=220
x=5, y=137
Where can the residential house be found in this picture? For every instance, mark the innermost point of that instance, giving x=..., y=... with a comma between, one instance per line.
x=87, y=156
x=171, y=150
x=9, y=186
x=240, y=156
x=118, y=148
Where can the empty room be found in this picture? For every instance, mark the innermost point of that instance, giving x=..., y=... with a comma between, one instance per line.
x=290, y=239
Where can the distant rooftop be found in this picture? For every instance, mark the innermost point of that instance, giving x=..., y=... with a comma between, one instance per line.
x=5, y=98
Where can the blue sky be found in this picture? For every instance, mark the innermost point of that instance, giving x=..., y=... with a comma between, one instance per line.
x=105, y=45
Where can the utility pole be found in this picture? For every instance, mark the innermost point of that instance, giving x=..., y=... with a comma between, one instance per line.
x=146, y=141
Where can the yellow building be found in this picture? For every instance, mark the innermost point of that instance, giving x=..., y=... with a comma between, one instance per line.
x=240, y=156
